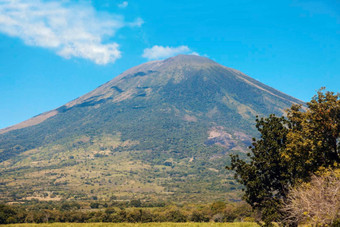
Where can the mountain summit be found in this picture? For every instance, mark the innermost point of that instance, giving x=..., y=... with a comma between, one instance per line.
x=160, y=129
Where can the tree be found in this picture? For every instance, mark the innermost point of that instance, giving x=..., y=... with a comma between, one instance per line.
x=7, y=214
x=288, y=152
x=314, y=137
x=265, y=177
x=135, y=203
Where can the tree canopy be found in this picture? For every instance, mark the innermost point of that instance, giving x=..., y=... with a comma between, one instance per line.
x=289, y=150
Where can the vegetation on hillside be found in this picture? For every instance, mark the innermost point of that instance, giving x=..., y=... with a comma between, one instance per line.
x=88, y=168
x=288, y=153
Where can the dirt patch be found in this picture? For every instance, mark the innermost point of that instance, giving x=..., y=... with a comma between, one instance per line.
x=190, y=118
x=217, y=136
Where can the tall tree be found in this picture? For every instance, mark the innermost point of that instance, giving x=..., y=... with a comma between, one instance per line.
x=288, y=152
x=265, y=177
x=313, y=139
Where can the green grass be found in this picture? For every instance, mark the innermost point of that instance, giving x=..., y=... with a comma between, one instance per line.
x=165, y=224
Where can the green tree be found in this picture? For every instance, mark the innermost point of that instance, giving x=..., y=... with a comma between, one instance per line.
x=135, y=203
x=313, y=138
x=265, y=177
x=289, y=151
x=7, y=214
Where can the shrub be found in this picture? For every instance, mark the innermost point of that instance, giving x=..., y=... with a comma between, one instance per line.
x=176, y=216
x=316, y=202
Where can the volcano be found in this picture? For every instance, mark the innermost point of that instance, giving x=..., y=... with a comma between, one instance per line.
x=160, y=130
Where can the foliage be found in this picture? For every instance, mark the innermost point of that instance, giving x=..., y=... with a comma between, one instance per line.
x=47, y=212
x=316, y=202
x=313, y=140
x=265, y=177
x=288, y=152
x=164, y=224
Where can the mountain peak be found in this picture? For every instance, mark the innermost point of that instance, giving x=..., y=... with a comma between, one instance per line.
x=188, y=59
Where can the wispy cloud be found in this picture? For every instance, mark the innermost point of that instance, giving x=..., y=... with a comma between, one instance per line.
x=160, y=52
x=71, y=30
x=123, y=4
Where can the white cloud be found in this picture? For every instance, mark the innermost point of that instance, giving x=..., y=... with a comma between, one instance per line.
x=160, y=52
x=137, y=23
x=123, y=4
x=71, y=30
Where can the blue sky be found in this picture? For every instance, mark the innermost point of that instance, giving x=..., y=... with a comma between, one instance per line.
x=52, y=52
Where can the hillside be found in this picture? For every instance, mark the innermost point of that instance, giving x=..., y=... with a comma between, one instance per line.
x=160, y=130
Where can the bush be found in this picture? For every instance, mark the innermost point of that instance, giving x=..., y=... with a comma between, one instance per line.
x=94, y=205
x=7, y=214
x=199, y=216
x=176, y=216
x=316, y=202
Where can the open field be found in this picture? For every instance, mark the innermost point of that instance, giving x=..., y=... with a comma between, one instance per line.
x=166, y=224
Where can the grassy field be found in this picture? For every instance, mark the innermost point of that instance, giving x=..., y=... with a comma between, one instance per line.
x=243, y=224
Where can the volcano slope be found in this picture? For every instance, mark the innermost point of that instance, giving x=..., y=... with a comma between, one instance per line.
x=160, y=130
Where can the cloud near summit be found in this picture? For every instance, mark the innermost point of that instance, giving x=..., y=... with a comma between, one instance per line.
x=123, y=4
x=161, y=52
x=71, y=30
